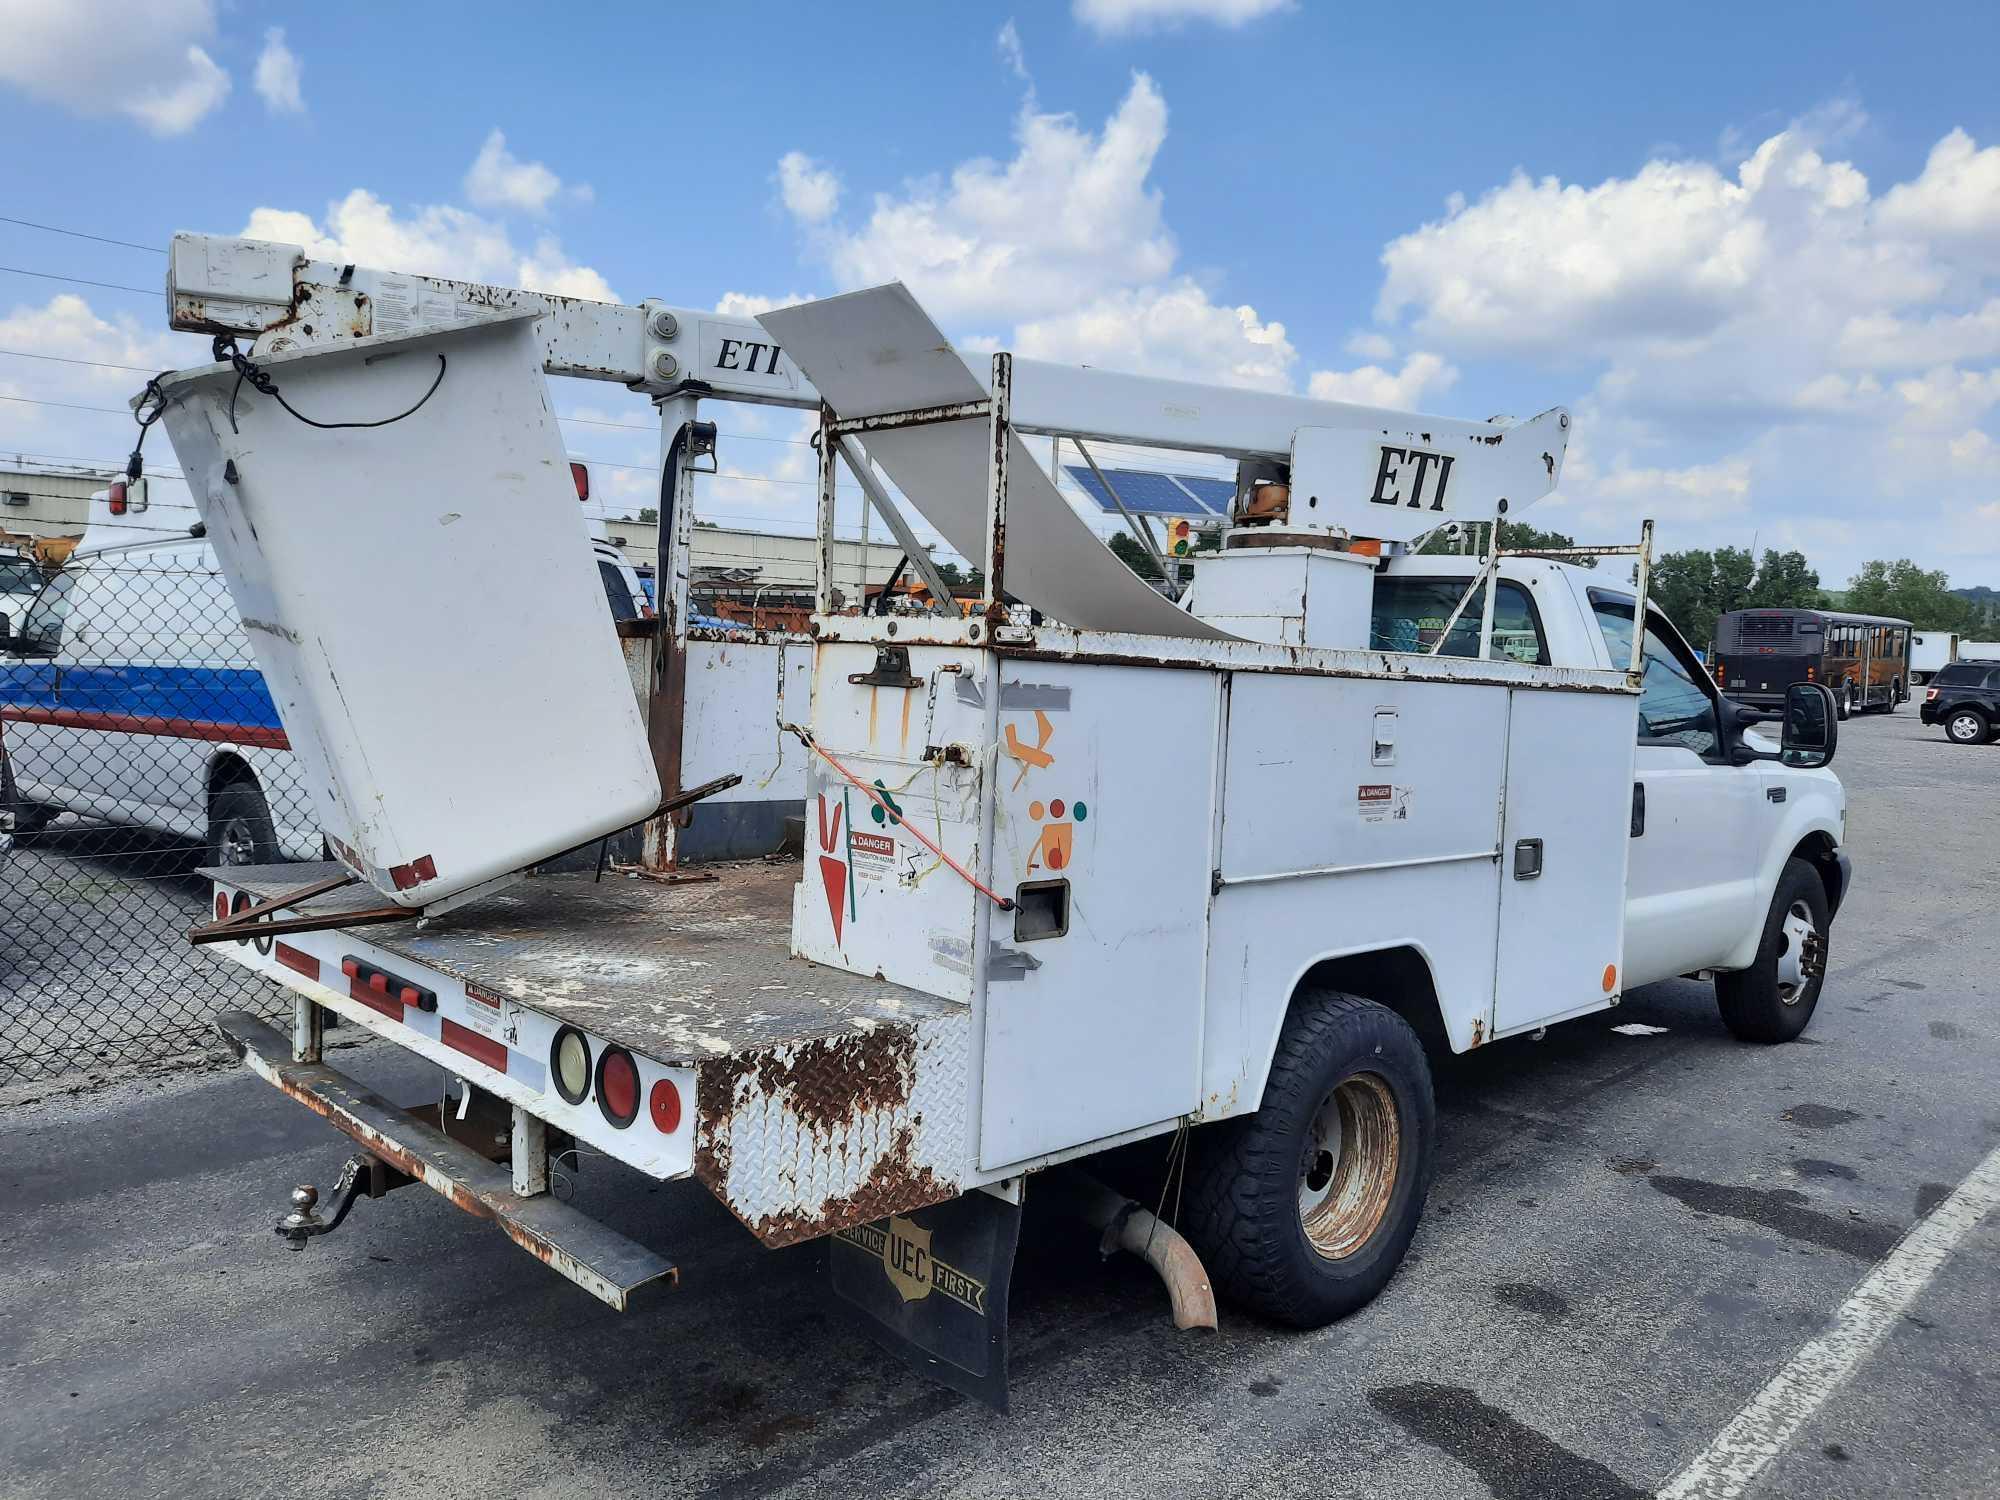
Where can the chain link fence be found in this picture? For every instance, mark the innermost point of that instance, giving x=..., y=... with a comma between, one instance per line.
x=137, y=743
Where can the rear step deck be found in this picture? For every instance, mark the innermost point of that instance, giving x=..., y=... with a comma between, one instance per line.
x=823, y=1098
x=604, y=1263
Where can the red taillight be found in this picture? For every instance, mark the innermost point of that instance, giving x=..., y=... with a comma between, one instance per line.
x=1930, y=695
x=222, y=900
x=618, y=1086
x=117, y=493
x=580, y=477
x=666, y=1107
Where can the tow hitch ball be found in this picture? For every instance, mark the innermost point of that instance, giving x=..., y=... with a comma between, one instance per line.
x=362, y=1173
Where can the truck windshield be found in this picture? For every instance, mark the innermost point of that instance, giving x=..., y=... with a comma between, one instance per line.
x=19, y=575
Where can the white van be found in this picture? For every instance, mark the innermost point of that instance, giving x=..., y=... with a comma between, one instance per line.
x=131, y=695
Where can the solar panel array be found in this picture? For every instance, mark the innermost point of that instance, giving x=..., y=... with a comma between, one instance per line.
x=1149, y=493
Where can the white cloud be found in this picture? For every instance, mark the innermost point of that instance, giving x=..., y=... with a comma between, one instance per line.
x=1371, y=385
x=1121, y=17
x=501, y=181
x=431, y=240
x=277, y=75
x=1880, y=339
x=809, y=191
x=1956, y=200
x=750, y=304
x=1009, y=43
x=148, y=62
x=1755, y=347
x=1371, y=346
x=1060, y=252
x=1068, y=219
x=1171, y=331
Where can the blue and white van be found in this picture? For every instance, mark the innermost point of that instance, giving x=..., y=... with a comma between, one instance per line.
x=130, y=696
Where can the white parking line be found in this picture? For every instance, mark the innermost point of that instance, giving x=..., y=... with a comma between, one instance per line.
x=1759, y=1432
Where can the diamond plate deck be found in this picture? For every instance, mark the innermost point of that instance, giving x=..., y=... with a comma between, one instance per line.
x=680, y=973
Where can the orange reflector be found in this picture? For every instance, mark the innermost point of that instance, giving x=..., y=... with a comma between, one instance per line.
x=666, y=1105
x=1610, y=978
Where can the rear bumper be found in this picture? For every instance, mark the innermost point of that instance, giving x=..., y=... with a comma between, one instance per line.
x=601, y=1261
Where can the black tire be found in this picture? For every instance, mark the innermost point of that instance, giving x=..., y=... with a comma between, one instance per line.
x=1897, y=697
x=30, y=818
x=240, y=831
x=1844, y=704
x=1340, y=1058
x=1966, y=726
x=1761, y=1003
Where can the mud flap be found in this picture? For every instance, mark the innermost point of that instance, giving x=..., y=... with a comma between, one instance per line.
x=933, y=1286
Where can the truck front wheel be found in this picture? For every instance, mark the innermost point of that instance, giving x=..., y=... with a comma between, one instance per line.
x=1303, y=1211
x=1773, y=999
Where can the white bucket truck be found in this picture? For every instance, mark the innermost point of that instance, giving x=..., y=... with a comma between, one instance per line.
x=1087, y=867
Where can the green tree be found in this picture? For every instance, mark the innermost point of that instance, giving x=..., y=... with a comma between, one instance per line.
x=1697, y=587
x=652, y=513
x=1908, y=592
x=1134, y=556
x=1785, y=580
x=1515, y=536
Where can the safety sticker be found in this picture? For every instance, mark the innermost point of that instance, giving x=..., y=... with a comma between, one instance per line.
x=1379, y=803
x=872, y=856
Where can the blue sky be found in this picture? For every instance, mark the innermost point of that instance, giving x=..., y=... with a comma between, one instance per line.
x=1756, y=249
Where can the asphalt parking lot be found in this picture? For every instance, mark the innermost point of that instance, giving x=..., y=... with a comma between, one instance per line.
x=1630, y=1237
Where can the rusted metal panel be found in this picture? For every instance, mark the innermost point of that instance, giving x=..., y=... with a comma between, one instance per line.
x=803, y=1139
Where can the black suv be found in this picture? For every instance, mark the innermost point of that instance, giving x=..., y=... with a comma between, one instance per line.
x=1965, y=698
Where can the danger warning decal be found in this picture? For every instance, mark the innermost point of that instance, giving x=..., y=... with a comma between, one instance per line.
x=1381, y=803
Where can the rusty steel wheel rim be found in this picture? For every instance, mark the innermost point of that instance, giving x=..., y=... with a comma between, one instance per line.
x=1348, y=1169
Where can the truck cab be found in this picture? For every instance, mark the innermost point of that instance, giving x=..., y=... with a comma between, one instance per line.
x=1712, y=828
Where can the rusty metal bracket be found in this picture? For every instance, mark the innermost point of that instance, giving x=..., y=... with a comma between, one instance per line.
x=256, y=921
x=891, y=669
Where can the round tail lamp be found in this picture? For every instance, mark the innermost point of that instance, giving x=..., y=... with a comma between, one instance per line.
x=618, y=1086
x=569, y=1064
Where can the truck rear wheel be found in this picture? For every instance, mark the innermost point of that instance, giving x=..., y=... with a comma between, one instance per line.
x=1303, y=1211
x=1773, y=999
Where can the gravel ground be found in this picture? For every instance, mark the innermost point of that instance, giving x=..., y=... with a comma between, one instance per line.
x=1629, y=1236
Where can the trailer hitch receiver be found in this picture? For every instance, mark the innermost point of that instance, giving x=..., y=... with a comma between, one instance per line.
x=362, y=1173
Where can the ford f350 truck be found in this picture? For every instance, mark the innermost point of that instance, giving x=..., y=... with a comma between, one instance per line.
x=1217, y=871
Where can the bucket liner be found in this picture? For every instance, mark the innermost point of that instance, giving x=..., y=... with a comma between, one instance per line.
x=422, y=600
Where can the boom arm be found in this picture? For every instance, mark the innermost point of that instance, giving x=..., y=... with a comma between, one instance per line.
x=278, y=296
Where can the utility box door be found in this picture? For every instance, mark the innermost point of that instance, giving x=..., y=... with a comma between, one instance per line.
x=1562, y=855
x=422, y=600
x=1103, y=794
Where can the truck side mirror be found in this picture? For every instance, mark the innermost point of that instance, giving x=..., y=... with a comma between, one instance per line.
x=1811, y=726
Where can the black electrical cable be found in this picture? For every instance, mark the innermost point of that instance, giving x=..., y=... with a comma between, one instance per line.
x=147, y=412
x=261, y=380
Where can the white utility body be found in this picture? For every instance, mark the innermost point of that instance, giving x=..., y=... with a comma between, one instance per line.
x=1217, y=863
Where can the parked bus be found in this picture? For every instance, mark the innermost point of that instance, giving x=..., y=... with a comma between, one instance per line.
x=1865, y=659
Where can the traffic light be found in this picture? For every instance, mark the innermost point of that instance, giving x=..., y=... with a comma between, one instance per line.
x=1180, y=538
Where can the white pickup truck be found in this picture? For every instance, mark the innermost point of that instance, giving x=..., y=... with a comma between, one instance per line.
x=1217, y=874
x=1716, y=833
